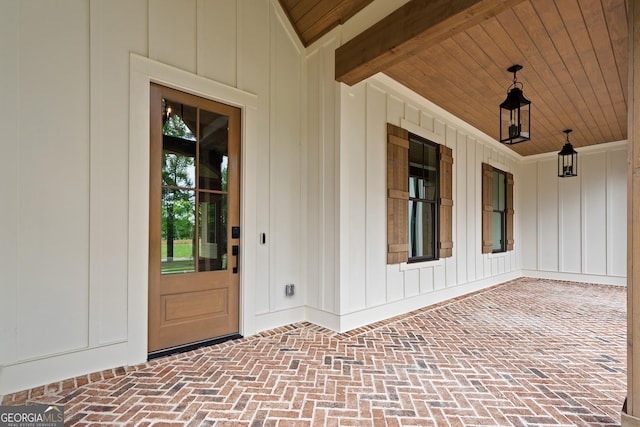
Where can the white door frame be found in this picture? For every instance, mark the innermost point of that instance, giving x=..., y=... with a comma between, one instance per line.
x=143, y=71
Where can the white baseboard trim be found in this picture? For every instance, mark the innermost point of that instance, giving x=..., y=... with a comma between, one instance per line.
x=347, y=322
x=576, y=277
x=375, y=314
x=50, y=369
x=276, y=319
x=322, y=318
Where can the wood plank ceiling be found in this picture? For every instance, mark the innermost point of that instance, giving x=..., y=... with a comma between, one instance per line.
x=574, y=54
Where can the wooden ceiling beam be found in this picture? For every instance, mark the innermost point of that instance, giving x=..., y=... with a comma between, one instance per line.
x=410, y=29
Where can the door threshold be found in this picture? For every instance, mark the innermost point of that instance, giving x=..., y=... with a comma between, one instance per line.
x=192, y=346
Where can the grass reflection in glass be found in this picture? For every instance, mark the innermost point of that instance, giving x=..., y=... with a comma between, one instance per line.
x=182, y=261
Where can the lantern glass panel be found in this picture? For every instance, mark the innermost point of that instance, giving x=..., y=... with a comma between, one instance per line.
x=515, y=124
x=567, y=165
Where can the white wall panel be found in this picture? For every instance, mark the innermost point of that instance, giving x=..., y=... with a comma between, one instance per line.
x=426, y=280
x=314, y=273
x=548, y=215
x=439, y=128
x=589, y=213
x=470, y=244
x=411, y=283
x=9, y=218
x=514, y=258
x=412, y=114
x=253, y=58
x=53, y=177
x=109, y=160
x=329, y=102
x=489, y=266
x=376, y=188
x=216, y=40
x=528, y=215
x=497, y=264
x=395, y=109
x=439, y=276
x=426, y=121
x=460, y=208
x=570, y=240
x=353, y=186
x=617, y=213
x=395, y=283
x=285, y=156
x=592, y=170
x=173, y=33
x=253, y=50
x=322, y=155
x=477, y=182
x=451, y=141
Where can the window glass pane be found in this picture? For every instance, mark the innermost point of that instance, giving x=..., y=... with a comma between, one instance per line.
x=413, y=187
x=497, y=229
x=212, y=241
x=421, y=229
x=177, y=170
x=178, y=223
x=431, y=156
x=431, y=169
x=178, y=145
x=179, y=120
x=495, y=191
x=214, y=152
x=430, y=184
x=416, y=158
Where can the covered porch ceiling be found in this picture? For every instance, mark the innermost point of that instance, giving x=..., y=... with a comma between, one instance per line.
x=456, y=54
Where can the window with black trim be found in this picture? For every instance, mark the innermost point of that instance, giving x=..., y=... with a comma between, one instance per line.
x=497, y=210
x=423, y=199
x=419, y=198
x=499, y=215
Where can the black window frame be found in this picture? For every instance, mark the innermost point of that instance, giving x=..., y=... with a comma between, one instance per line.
x=435, y=202
x=503, y=212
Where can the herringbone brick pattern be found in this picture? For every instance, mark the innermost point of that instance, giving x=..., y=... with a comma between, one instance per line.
x=526, y=353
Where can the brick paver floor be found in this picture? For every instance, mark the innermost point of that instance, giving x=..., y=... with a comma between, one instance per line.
x=525, y=353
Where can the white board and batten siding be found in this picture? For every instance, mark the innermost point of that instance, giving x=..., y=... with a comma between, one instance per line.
x=366, y=289
x=576, y=227
x=74, y=168
x=44, y=222
x=73, y=279
x=392, y=289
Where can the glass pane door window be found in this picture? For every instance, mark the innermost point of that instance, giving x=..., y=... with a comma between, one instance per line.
x=195, y=161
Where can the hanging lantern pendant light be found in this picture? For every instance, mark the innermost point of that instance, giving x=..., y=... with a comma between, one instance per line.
x=567, y=159
x=515, y=125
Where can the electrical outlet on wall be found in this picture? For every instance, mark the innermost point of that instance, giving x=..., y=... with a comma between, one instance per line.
x=289, y=289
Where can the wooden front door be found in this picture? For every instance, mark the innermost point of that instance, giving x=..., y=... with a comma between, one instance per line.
x=194, y=215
